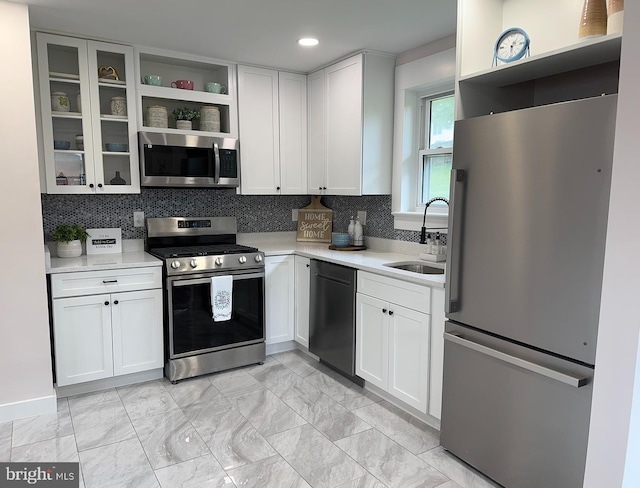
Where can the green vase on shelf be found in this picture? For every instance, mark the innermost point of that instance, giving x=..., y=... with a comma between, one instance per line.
x=118, y=180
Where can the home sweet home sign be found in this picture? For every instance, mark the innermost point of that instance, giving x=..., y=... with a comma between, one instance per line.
x=315, y=222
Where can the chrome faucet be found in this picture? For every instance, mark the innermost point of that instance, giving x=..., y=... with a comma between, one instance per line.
x=423, y=231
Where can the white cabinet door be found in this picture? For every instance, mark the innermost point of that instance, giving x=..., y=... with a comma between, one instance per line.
x=259, y=130
x=293, y=133
x=279, y=298
x=137, y=331
x=317, y=132
x=82, y=338
x=303, y=283
x=408, y=356
x=344, y=127
x=436, y=360
x=372, y=340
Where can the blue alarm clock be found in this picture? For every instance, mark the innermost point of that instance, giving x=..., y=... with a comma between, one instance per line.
x=511, y=45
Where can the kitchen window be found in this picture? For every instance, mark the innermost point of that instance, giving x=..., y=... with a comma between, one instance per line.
x=436, y=148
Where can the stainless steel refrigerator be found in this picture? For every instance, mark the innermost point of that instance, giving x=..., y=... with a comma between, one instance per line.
x=529, y=202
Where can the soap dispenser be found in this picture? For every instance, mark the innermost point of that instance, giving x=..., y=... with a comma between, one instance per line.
x=351, y=230
x=358, y=238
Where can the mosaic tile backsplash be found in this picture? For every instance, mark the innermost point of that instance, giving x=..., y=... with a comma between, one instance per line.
x=255, y=213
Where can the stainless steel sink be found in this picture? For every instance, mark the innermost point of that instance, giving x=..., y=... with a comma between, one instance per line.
x=416, y=267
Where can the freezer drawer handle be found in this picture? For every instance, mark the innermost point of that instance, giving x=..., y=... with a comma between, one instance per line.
x=570, y=380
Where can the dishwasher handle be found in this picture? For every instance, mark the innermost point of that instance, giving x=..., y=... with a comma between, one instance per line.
x=333, y=279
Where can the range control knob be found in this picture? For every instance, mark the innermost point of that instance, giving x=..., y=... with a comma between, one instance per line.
x=193, y=263
x=258, y=258
x=242, y=259
x=175, y=264
x=218, y=261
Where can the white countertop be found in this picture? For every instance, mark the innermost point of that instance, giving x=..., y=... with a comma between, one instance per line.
x=368, y=260
x=99, y=262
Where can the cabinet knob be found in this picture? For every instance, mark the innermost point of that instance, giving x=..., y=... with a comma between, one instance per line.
x=106, y=303
x=99, y=185
x=278, y=188
x=115, y=302
x=384, y=310
x=90, y=185
x=324, y=187
x=307, y=265
x=390, y=312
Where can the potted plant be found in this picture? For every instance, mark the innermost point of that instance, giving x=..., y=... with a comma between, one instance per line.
x=70, y=239
x=184, y=117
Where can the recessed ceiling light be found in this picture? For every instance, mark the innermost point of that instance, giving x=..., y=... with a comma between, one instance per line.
x=308, y=41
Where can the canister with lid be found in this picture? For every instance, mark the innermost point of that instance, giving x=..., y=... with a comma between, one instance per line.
x=118, y=106
x=210, y=118
x=60, y=102
x=157, y=116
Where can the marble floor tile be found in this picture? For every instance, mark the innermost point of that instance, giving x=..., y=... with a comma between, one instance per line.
x=202, y=472
x=43, y=427
x=169, y=439
x=146, y=399
x=235, y=382
x=345, y=392
x=449, y=484
x=317, y=459
x=60, y=450
x=273, y=472
x=123, y=464
x=101, y=424
x=324, y=413
x=232, y=439
x=298, y=362
x=403, y=428
x=461, y=473
x=391, y=463
x=5, y=441
x=366, y=481
x=196, y=394
x=269, y=361
x=266, y=412
x=86, y=403
x=277, y=378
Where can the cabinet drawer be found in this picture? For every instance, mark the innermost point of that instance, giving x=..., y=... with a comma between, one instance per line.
x=410, y=295
x=115, y=280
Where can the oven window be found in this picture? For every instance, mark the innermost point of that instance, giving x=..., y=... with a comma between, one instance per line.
x=193, y=326
x=178, y=161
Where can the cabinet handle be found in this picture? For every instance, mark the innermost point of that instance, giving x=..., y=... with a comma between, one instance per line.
x=319, y=188
x=390, y=312
x=308, y=265
x=99, y=185
x=115, y=302
x=90, y=185
x=106, y=303
x=109, y=281
x=384, y=310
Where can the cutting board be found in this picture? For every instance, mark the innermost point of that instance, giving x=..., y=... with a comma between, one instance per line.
x=315, y=222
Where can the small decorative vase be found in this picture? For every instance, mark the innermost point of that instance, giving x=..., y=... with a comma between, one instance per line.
x=593, y=21
x=616, y=16
x=118, y=106
x=79, y=103
x=210, y=118
x=157, y=116
x=183, y=124
x=118, y=180
x=71, y=249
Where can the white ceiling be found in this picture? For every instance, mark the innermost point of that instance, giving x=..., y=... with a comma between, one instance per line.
x=261, y=32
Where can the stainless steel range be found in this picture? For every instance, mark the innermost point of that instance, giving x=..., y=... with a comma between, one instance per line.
x=196, y=251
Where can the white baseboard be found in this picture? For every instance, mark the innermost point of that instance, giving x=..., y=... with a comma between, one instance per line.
x=107, y=383
x=28, y=408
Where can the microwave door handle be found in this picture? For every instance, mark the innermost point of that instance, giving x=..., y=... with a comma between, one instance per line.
x=216, y=155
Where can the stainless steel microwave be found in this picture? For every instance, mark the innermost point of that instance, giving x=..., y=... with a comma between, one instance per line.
x=176, y=160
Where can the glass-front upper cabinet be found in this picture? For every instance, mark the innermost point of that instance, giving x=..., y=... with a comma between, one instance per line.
x=89, y=131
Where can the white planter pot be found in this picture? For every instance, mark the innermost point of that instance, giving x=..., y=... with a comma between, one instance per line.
x=71, y=249
x=183, y=124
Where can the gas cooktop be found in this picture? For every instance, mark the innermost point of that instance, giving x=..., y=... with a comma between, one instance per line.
x=207, y=250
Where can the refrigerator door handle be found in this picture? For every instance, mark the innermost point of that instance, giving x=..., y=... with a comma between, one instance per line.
x=575, y=381
x=454, y=238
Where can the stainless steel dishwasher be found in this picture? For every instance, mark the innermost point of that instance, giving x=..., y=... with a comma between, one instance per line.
x=332, y=321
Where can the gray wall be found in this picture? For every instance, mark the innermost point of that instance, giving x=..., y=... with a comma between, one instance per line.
x=254, y=213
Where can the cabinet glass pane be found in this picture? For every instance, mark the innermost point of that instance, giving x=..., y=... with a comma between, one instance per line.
x=63, y=61
x=116, y=168
x=70, y=168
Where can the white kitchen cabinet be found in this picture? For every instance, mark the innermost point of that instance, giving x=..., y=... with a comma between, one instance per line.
x=436, y=358
x=556, y=70
x=172, y=66
x=302, y=288
x=272, y=121
x=392, y=337
x=98, y=108
x=114, y=332
x=279, y=298
x=351, y=126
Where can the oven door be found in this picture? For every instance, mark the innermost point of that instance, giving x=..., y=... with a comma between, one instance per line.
x=191, y=329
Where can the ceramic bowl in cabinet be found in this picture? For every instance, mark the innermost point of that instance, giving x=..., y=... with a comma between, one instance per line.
x=63, y=145
x=116, y=147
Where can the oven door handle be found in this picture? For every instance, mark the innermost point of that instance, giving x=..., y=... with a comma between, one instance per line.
x=203, y=281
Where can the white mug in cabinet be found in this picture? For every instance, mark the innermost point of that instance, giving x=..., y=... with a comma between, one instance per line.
x=157, y=116
x=210, y=118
